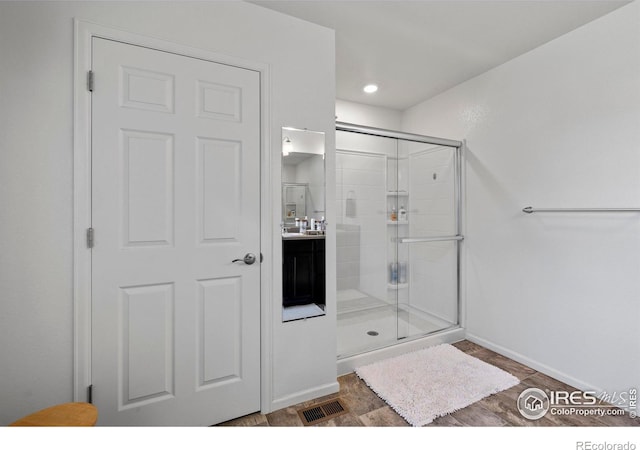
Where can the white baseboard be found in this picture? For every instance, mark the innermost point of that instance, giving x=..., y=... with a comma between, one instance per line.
x=303, y=396
x=534, y=364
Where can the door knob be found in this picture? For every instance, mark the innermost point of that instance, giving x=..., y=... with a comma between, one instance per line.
x=248, y=259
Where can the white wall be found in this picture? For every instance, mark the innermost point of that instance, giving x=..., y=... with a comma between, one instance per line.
x=36, y=163
x=371, y=116
x=556, y=127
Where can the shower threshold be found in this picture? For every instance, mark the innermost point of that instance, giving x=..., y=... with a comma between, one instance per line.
x=347, y=364
x=381, y=326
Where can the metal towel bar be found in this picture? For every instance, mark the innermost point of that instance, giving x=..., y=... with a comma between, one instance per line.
x=410, y=240
x=530, y=209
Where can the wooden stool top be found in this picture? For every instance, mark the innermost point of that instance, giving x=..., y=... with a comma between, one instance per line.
x=64, y=415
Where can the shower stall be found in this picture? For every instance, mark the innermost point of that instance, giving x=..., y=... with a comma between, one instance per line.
x=398, y=238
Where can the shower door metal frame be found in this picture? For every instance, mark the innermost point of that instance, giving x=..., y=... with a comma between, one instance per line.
x=458, y=237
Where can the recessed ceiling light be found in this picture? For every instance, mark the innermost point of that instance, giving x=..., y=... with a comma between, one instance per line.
x=370, y=88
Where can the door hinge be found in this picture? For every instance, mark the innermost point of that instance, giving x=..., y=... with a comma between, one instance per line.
x=89, y=237
x=90, y=81
x=90, y=394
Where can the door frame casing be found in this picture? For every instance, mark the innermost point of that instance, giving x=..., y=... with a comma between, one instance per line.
x=84, y=32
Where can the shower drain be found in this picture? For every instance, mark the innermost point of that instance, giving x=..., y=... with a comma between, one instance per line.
x=372, y=333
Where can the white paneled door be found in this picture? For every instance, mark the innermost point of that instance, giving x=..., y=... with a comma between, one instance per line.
x=175, y=199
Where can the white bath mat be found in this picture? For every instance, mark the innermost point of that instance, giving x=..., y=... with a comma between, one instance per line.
x=424, y=385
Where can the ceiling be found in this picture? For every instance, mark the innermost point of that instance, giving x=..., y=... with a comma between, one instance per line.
x=295, y=158
x=416, y=49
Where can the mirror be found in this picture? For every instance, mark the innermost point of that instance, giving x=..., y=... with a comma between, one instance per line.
x=303, y=175
x=303, y=223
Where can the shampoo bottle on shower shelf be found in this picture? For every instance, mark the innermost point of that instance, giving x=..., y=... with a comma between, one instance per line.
x=393, y=273
x=402, y=214
x=393, y=216
x=402, y=272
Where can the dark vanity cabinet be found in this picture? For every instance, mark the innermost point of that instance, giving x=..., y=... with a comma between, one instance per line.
x=303, y=271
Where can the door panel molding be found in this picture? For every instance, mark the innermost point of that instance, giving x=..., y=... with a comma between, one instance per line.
x=84, y=32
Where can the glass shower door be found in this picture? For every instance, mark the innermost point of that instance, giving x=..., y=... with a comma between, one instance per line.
x=427, y=242
x=397, y=242
x=366, y=314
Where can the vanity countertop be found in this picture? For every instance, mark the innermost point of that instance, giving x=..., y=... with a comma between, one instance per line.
x=290, y=236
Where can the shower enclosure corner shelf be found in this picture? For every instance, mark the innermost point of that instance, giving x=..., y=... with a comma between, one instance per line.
x=397, y=195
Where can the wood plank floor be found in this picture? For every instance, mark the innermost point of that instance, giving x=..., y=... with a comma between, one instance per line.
x=366, y=409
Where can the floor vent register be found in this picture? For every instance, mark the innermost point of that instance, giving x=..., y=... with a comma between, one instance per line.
x=322, y=412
